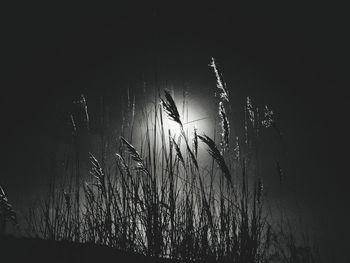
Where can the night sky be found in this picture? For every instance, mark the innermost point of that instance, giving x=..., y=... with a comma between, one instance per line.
x=293, y=57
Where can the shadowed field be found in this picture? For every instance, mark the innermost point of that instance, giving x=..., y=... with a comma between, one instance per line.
x=38, y=250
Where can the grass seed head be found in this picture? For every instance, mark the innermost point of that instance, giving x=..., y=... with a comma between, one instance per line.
x=215, y=153
x=225, y=126
x=170, y=108
x=220, y=84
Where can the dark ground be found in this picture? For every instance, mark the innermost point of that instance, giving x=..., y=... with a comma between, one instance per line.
x=13, y=250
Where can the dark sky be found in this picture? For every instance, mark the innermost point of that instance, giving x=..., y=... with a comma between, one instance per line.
x=292, y=56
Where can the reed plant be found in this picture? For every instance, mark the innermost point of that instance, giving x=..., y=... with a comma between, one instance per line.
x=153, y=196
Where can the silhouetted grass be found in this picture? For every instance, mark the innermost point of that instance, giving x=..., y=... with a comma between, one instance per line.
x=157, y=199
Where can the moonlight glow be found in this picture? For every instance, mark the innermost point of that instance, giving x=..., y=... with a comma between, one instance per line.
x=193, y=115
x=196, y=113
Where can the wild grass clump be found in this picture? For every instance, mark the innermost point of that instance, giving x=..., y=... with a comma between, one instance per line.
x=7, y=213
x=156, y=198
